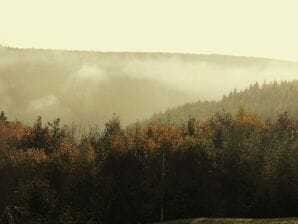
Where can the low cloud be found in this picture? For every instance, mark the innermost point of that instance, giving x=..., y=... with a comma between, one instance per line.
x=44, y=103
x=84, y=87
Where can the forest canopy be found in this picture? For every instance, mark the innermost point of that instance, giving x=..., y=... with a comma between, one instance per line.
x=229, y=165
x=231, y=157
x=266, y=100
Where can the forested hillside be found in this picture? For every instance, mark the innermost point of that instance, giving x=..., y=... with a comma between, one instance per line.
x=88, y=87
x=236, y=157
x=266, y=100
x=230, y=165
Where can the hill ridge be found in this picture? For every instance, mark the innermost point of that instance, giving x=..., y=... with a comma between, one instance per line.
x=276, y=98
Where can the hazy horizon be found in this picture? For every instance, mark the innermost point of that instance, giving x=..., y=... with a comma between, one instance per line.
x=241, y=28
x=88, y=87
x=144, y=52
x=208, y=48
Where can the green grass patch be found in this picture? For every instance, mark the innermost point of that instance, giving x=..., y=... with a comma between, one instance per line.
x=234, y=221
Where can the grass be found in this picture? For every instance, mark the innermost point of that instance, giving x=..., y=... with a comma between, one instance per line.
x=234, y=221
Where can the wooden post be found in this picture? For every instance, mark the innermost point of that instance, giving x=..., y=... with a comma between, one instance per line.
x=162, y=186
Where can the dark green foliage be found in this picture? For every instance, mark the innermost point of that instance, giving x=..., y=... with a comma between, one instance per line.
x=227, y=166
x=3, y=118
x=191, y=126
x=48, y=137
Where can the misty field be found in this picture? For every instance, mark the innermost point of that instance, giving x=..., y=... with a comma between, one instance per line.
x=234, y=221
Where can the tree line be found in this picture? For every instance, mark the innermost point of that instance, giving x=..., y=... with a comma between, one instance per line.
x=229, y=165
x=268, y=100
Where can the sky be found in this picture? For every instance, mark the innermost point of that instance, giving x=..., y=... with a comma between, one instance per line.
x=259, y=28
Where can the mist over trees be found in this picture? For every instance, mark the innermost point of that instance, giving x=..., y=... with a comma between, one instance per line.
x=87, y=87
x=235, y=157
x=266, y=100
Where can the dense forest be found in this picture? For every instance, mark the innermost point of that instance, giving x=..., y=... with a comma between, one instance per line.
x=235, y=157
x=266, y=100
x=229, y=165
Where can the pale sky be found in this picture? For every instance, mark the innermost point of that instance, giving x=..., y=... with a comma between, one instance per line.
x=260, y=28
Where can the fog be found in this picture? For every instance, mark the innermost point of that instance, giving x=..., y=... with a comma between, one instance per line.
x=88, y=87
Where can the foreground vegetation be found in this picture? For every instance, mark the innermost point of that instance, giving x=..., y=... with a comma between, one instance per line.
x=226, y=166
x=234, y=221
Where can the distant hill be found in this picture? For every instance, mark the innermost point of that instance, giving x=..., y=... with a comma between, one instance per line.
x=88, y=87
x=266, y=100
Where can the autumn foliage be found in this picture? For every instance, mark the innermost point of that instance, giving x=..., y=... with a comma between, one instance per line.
x=230, y=165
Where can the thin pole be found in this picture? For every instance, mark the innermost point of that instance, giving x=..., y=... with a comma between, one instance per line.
x=162, y=186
